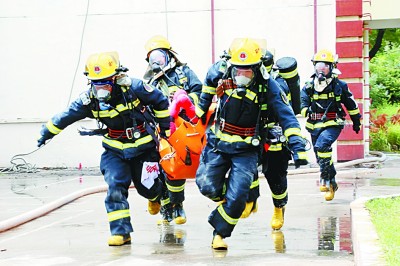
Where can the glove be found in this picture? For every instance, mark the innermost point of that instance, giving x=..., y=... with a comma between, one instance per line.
x=182, y=101
x=299, y=162
x=45, y=135
x=356, y=126
x=223, y=85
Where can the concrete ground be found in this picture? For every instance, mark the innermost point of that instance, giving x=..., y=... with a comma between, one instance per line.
x=316, y=232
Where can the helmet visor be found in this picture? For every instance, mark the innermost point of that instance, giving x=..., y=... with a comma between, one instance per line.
x=242, y=77
x=322, y=67
x=102, y=90
x=158, y=59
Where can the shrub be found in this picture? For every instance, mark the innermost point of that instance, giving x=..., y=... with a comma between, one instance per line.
x=393, y=137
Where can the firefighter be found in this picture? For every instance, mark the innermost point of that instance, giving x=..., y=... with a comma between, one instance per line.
x=322, y=100
x=246, y=95
x=172, y=77
x=275, y=160
x=119, y=103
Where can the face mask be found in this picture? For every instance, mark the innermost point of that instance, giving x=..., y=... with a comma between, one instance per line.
x=102, y=91
x=158, y=59
x=322, y=70
x=242, y=77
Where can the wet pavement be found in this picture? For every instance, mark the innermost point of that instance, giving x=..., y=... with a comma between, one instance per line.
x=316, y=232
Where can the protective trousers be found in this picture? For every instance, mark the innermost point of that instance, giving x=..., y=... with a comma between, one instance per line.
x=176, y=190
x=274, y=168
x=322, y=140
x=232, y=191
x=118, y=174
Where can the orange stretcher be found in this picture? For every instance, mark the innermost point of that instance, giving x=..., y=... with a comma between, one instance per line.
x=180, y=154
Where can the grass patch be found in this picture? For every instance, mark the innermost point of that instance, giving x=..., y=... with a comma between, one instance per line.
x=385, y=215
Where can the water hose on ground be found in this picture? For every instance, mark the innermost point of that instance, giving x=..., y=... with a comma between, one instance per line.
x=38, y=212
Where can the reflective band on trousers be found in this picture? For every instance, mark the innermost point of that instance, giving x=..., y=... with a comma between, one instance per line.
x=226, y=217
x=116, y=215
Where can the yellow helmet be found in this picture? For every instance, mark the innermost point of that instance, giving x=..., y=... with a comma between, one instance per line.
x=244, y=52
x=324, y=56
x=102, y=65
x=157, y=42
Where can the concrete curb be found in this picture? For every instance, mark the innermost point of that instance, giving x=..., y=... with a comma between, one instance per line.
x=366, y=247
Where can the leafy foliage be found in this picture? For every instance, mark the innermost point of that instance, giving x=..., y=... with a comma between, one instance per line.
x=385, y=77
x=384, y=131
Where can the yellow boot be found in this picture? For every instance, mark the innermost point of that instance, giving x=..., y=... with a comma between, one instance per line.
x=279, y=241
x=154, y=207
x=250, y=207
x=278, y=218
x=322, y=186
x=330, y=194
x=119, y=240
x=218, y=243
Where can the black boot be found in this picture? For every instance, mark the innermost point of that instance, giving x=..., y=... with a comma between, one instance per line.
x=166, y=212
x=179, y=214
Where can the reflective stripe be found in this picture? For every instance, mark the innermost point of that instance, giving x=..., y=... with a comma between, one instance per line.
x=324, y=154
x=323, y=96
x=165, y=201
x=176, y=189
x=255, y=184
x=153, y=199
x=264, y=107
x=292, y=131
x=302, y=155
x=194, y=97
x=304, y=111
x=232, y=138
x=226, y=217
x=122, y=146
x=208, y=89
x=110, y=113
x=52, y=128
x=353, y=112
x=198, y=111
x=249, y=95
x=288, y=75
x=275, y=147
x=279, y=197
x=321, y=125
x=161, y=114
x=116, y=215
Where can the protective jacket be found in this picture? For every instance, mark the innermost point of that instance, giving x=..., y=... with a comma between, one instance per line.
x=126, y=115
x=324, y=109
x=239, y=118
x=178, y=77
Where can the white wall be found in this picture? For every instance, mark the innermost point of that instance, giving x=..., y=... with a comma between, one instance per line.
x=44, y=45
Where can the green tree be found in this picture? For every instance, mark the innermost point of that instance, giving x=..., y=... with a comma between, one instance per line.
x=381, y=38
x=385, y=76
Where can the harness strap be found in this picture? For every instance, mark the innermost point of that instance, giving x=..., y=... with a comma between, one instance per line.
x=126, y=134
x=318, y=116
x=235, y=130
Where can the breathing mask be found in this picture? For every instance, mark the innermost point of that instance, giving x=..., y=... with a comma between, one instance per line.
x=158, y=59
x=242, y=77
x=322, y=71
x=102, y=91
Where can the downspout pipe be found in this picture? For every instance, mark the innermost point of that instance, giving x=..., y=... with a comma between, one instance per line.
x=315, y=26
x=212, y=33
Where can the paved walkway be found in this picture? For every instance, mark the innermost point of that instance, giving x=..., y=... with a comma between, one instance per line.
x=315, y=232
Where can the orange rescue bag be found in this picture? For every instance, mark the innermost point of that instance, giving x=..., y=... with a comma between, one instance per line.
x=180, y=154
